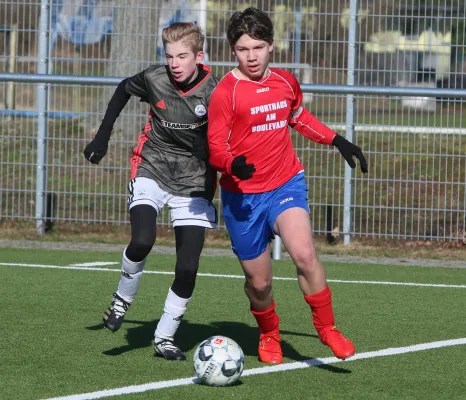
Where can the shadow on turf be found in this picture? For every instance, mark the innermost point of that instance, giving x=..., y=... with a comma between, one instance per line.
x=140, y=334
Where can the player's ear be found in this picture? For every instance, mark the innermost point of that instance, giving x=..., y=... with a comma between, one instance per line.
x=200, y=57
x=271, y=47
x=233, y=50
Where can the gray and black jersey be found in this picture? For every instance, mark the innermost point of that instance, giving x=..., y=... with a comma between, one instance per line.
x=163, y=151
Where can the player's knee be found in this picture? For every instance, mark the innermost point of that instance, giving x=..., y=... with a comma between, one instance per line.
x=310, y=269
x=185, y=281
x=306, y=259
x=139, y=248
x=259, y=288
x=186, y=272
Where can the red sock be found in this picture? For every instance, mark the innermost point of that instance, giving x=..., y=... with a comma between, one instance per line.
x=322, y=311
x=267, y=320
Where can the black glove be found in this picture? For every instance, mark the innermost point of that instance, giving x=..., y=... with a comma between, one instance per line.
x=240, y=169
x=200, y=148
x=96, y=150
x=348, y=150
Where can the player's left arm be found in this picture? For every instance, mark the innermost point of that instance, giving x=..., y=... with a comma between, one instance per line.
x=309, y=126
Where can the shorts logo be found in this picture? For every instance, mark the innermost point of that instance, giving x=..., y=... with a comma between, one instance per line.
x=200, y=110
x=286, y=200
x=262, y=90
x=142, y=192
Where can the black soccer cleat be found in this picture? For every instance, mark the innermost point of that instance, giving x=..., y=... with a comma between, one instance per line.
x=115, y=313
x=169, y=350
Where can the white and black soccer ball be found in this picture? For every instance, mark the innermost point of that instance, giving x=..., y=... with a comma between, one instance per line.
x=218, y=361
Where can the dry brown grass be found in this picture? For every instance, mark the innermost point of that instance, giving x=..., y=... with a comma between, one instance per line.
x=120, y=234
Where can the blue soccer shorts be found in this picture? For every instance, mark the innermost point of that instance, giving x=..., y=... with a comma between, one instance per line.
x=250, y=218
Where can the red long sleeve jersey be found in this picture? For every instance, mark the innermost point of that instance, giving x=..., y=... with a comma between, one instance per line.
x=251, y=118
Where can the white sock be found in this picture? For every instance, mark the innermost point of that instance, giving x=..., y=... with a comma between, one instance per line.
x=131, y=273
x=173, y=312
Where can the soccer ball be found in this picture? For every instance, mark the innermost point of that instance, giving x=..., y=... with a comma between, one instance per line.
x=218, y=361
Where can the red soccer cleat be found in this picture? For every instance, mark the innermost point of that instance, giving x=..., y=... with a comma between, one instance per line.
x=341, y=346
x=270, y=350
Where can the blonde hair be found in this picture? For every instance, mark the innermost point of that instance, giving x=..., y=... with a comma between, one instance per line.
x=188, y=32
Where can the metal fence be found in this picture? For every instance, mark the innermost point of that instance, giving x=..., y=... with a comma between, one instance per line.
x=389, y=76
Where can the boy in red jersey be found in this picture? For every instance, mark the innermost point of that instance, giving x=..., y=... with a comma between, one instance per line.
x=263, y=188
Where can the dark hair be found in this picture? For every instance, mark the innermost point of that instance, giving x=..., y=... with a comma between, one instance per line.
x=253, y=22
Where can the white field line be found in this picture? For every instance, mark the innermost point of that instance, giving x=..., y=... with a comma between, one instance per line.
x=277, y=278
x=95, y=264
x=266, y=370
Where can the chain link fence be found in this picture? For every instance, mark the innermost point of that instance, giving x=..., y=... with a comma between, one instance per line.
x=415, y=144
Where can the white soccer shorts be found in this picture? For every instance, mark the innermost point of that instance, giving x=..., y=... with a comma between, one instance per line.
x=183, y=210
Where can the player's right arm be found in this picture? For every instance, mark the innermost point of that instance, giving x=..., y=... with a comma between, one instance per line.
x=220, y=117
x=133, y=86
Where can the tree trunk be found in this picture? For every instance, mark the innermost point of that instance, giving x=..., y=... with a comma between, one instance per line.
x=134, y=36
x=133, y=49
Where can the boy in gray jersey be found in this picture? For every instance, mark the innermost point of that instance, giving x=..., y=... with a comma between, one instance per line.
x=169, y=167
